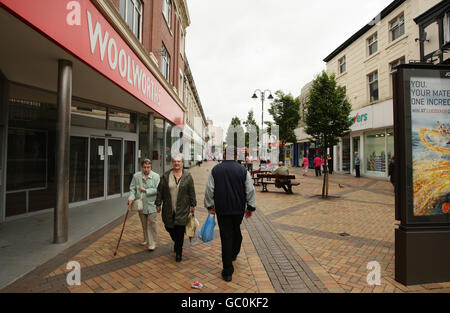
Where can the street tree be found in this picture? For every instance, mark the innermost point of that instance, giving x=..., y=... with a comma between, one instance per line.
x=327, y=116
x=284, y=111
x=251, y=127
x=235, y=139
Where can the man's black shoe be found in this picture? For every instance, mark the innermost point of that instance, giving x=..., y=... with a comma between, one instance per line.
x=226, y=277
x=178, y=258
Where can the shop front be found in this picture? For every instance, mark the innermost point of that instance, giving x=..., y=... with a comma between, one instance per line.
x=372, y=137
x=113, y=121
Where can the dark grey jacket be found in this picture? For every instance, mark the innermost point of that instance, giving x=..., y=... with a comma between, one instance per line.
x=186, y=199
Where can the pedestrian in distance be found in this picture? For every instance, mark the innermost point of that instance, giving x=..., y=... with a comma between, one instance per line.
x=145, y=184
x=330, y=164
x=357, y=164
x=305, y=165
x=281, y=183
x=317, y=164
x=391, y=171
x=230, y=195
x=199, y=160
x=176, y=195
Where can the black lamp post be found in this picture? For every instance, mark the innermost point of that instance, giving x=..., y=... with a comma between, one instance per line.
x=262, y=94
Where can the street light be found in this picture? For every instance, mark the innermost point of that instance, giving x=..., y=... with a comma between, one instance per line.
x=262, y=94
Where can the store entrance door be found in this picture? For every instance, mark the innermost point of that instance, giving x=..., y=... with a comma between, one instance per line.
x=355, y=141
x=346, y=154
x=105, y=171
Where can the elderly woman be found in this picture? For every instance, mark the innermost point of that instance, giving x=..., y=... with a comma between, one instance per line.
x=145, y=183
x=176, y=193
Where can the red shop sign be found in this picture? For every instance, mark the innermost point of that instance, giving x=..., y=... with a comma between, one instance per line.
x=79, y=28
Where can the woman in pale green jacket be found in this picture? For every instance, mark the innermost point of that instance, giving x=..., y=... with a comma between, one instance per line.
x=145, y=183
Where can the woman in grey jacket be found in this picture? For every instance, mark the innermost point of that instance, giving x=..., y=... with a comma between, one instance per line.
x=176, y=194
x=145, y=183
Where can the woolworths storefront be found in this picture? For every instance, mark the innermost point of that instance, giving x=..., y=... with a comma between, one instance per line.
x=80, y=107
x=372, y=136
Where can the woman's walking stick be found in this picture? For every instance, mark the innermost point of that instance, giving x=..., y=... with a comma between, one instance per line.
x=123, y=227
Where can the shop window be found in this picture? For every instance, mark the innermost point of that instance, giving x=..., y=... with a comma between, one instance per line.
x=168, y=147
x=131, y=12
x=158, y=146
x=121, y=121
x=374, y=150
x=397, y=27
x=143, y=138
x=88, y=115
x=78, y=169
x=30, y=176
x=390, y=144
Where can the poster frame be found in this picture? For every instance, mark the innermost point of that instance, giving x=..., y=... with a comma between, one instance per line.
x=404, y=202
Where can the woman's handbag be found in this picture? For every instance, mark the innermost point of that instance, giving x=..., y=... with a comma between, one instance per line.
x=207, y=232
x=137, y=204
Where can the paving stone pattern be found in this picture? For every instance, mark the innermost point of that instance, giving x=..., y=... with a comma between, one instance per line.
x=292, y=243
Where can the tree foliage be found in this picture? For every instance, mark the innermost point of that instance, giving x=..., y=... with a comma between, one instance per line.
x=235, y=134
x=284, y=111
x=327, y=116
x=327, y=111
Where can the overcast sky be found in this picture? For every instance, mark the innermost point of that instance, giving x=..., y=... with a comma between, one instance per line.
x=237, y=46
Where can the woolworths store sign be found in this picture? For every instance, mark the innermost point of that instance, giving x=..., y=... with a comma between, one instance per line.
x=362, y=118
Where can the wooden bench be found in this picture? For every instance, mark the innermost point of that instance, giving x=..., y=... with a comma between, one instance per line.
x=255, y=177
x=268, y=180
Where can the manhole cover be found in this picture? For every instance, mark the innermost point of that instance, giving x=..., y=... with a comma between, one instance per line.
x=344, y=234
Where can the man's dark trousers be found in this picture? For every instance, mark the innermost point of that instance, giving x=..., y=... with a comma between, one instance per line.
x=318, y=171
x=231, y=238
x=357, y=171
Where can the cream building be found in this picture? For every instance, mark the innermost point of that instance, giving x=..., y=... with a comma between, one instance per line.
x=363, y=65
x=195, y=120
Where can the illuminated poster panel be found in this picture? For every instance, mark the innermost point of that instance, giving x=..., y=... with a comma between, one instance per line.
x=430, y=138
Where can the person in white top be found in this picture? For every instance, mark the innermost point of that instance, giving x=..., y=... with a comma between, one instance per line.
x=199, y=159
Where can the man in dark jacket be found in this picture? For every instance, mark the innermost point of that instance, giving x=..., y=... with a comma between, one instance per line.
x=230, y=194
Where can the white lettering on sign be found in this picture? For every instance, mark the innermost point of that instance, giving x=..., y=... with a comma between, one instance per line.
x=128, y=69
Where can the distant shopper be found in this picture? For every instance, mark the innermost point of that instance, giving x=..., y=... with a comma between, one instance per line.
x=176, y=194
x=392, y=170
x=282, y=170
x=230, y=194
x=145, y=183
x=357, y=164
x=305, y=165
x=199, y=160
x=249, y=163
x=317, y=163
x=330, y=164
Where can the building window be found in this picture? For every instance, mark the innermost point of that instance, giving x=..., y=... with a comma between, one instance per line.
x=165, y=62
x=182, y=41
x=342, y=66
x=180, y=86
x=447, y=27
x=167, y=11
x=397, y=27
x=373, y=86
x=372, y=43
x=396, y=63
x=131, y=12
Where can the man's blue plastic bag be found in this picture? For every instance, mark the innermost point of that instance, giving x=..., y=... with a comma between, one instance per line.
x=207, y=232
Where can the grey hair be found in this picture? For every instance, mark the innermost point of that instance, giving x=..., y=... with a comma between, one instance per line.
x=177, y=157
x=146, y=161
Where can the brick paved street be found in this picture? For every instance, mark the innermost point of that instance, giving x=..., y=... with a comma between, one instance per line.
x=291, y=244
